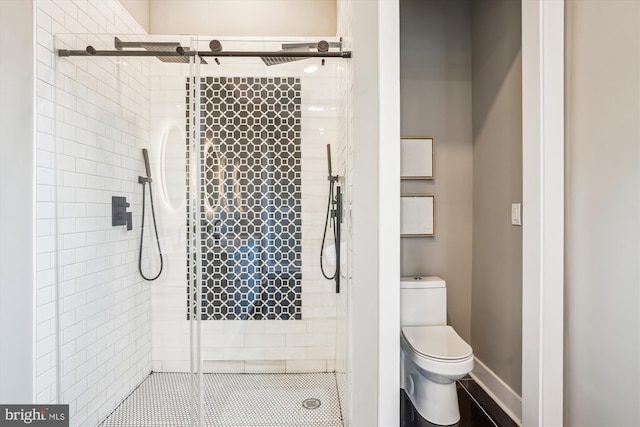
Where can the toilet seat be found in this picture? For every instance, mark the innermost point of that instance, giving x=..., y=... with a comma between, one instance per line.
x=438, y=343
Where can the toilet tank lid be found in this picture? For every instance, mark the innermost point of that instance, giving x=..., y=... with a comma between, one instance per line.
x=421, y=282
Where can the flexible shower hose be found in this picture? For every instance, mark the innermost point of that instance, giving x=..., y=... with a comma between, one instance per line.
x=324, y=234
x=155, y=227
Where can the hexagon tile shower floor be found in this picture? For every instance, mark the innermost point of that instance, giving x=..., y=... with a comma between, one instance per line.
x=232, y=400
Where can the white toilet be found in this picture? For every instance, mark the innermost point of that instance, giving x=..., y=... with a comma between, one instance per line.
x=433, y=356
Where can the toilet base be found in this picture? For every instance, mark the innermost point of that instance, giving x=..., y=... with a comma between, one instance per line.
x=441, y=407
x=436, y=402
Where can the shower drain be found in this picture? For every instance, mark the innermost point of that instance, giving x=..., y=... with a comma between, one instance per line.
x=311, y=403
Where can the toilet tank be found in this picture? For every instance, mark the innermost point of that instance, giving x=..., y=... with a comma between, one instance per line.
x=423, y=301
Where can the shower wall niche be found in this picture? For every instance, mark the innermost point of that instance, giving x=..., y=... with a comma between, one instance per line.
x=263, y=130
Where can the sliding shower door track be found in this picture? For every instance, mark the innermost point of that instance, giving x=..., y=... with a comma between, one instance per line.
x=181, y=52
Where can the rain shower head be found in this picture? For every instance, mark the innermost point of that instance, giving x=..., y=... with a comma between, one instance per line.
x=275, y=60
x=172, y=47
x=321, y=47
x=171, y=59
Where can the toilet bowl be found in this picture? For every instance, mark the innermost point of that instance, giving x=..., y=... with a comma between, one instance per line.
x=433, y=356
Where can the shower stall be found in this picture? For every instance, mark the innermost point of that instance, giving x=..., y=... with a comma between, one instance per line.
x=240, y=327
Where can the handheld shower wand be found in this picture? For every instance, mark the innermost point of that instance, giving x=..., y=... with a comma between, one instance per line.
x=147, y=180
x=334, y=212
x=145, y=154
x=329, y=169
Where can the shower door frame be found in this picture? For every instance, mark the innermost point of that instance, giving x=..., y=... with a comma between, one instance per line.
x=194, y=202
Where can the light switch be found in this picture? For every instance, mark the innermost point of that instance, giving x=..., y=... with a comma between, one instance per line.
x=516, y=214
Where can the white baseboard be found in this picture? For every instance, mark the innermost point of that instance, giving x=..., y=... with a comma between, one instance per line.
x=500, y=392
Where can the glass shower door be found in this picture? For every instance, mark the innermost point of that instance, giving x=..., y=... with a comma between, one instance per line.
x=127, y=351
x=262, y=128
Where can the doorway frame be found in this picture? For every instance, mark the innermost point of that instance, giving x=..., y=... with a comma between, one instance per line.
x=543, y=212
x=543, y=215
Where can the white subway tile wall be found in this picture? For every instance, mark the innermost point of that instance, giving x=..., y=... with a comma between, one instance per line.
x=92, y=121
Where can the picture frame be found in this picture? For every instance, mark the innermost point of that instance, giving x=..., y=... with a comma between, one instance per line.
x=417, y=157
x=417, y=215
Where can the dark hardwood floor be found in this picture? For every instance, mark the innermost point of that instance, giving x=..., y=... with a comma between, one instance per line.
x=477, y=411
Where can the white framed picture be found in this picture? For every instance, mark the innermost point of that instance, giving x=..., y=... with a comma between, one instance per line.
x=417, y=215
x=417, y=158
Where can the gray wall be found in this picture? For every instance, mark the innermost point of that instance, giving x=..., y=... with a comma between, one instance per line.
x=17, y=187
x=602, y=284
x=496, y=302
x=435, y=87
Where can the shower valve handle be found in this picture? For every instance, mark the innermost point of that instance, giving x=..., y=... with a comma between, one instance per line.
x=119, y=214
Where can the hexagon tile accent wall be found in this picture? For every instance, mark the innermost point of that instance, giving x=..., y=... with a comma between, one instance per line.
x=250, y=226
